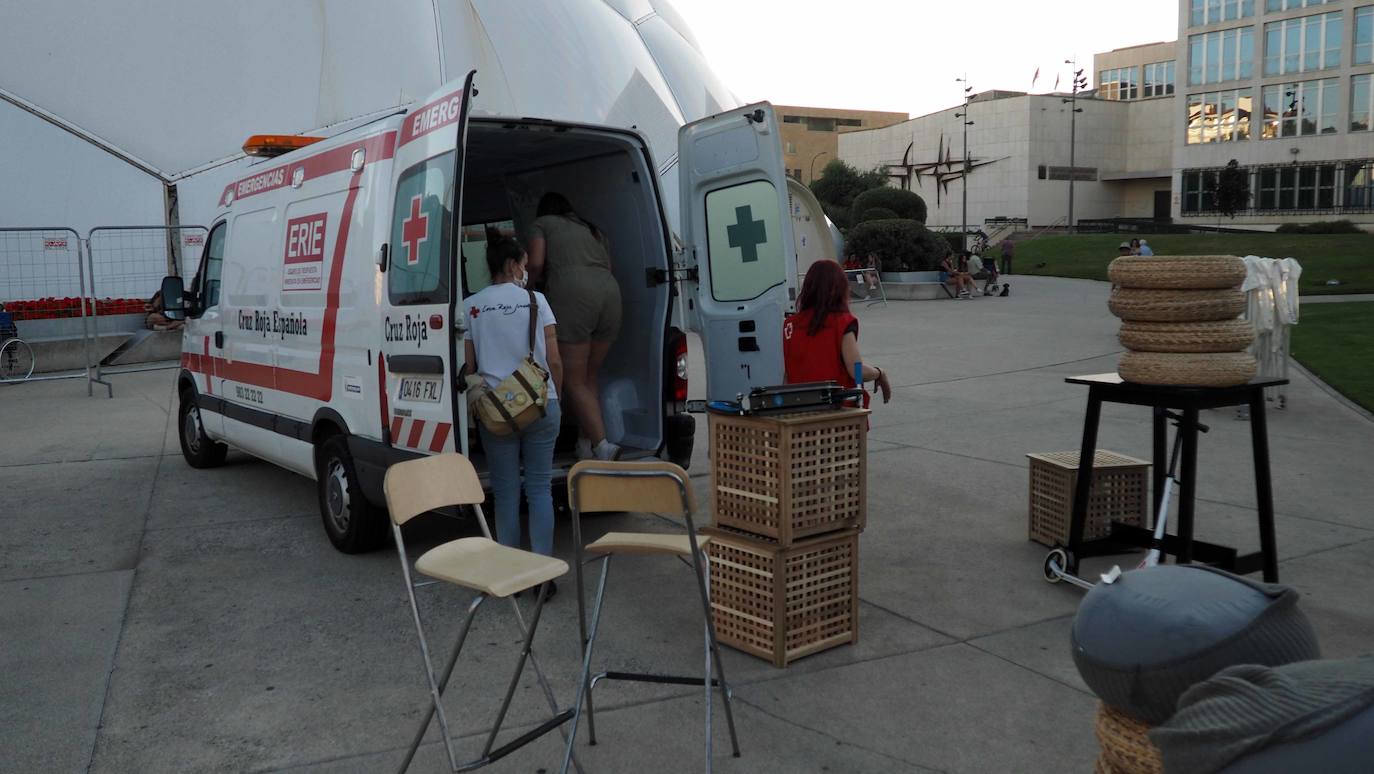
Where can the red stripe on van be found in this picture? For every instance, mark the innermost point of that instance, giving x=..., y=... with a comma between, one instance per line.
x=417, y=429
x=431, y=117
x=376, y=148
x=440, y=437
x=397, y=424
x=319, y=385
x=210, y=371
x=381, y=392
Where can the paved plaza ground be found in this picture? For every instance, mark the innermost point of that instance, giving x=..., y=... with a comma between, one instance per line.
x=157, y=618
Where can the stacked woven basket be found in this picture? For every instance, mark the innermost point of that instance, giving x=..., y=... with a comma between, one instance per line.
x=1181, y=320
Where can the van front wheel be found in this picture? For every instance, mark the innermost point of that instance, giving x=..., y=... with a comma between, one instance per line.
x=353, y=525
x=196, y=447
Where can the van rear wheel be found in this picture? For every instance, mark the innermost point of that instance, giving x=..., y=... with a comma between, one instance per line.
x=197, y=447
x=353, y=524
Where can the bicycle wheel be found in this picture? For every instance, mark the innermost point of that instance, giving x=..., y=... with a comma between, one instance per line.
x=16, y=361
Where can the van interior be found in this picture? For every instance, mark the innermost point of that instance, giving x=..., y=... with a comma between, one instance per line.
x=610, y=181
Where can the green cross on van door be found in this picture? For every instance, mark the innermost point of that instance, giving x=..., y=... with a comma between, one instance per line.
x=747, y=234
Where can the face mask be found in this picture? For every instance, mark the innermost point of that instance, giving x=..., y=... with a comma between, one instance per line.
x=523, y=280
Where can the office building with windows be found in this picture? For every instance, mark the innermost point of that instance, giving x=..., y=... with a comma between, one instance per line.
x=1284, y=88
x=1019, y=155
x=810, y=136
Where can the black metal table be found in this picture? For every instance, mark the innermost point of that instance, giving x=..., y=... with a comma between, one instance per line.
x=1109, y=388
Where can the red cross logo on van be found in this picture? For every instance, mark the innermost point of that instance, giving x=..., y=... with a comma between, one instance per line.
x=414, y=230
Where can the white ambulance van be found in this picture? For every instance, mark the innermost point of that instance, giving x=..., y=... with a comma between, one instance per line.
x=324, y=323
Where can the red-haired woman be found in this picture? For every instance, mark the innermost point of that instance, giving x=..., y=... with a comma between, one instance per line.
x=821, y=341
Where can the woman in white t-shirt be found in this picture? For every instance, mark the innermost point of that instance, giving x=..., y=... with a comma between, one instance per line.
x=496, y=340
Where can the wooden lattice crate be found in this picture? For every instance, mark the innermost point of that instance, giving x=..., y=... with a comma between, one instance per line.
x=1120, y=492
x=781, y=603
x=789, y=477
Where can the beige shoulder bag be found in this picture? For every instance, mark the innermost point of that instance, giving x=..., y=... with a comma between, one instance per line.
x=520, y=399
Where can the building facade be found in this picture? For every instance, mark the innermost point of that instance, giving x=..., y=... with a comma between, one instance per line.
x=810, y=136
x=1019, y=159
x=1283, y=87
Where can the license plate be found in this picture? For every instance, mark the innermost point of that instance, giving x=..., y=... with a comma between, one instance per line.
x=421, y=390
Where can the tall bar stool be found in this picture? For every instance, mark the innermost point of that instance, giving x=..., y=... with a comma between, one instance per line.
x=650, y=487
x=476, y=563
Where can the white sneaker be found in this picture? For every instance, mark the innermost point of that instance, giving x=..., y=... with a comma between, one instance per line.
x=607, y=451
x=583, y=449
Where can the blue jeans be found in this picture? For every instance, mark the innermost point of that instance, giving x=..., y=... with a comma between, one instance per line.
x=505, y=453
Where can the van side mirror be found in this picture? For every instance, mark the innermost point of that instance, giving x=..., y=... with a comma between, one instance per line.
x=173, y=301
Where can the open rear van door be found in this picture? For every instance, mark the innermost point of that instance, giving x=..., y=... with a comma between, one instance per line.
x=421, y=331
x=738, y=233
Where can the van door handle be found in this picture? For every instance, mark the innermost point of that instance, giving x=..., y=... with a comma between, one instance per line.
x=219, y=339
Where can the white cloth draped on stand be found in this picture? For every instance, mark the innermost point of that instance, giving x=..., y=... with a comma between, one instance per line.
x=1271, y=289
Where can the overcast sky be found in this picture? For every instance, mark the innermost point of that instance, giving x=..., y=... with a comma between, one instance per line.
x=904, y=55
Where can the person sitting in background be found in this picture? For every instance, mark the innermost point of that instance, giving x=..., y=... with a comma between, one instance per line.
x=1135, y=246
x=992, y=284
x=156, y=320
x=864, y=273
x=1124, y=249
x=1145, y=248
x=951, y=275
x=820, y=343
x=8, y=330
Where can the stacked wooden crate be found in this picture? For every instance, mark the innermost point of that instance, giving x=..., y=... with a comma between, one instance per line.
x=788, y=501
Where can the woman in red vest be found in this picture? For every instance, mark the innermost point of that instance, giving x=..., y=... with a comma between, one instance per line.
x=821, y=341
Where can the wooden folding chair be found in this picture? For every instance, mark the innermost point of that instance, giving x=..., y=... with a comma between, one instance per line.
x=649, y=487
x=476, y=563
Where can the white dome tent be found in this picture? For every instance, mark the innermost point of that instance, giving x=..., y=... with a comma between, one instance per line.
x=170, y=94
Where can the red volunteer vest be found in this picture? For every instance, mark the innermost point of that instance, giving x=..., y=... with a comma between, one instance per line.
x=817, y=358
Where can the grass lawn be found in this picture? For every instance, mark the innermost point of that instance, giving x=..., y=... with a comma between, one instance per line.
x=1336, y=342
x=1346, y=257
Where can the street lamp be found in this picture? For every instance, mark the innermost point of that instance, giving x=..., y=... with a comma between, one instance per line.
x=1079, y=83
x=813, y=164
x=968, y=97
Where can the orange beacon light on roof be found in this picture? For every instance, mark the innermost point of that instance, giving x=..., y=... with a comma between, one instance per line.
x=269, y=145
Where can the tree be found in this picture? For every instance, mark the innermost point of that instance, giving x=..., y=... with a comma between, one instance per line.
x=1231, y=193
x=838, y=186
x=876, y=213
x=904, y=204
x=901, y=244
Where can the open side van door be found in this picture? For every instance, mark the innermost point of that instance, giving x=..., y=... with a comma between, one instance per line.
x=422, y=343
x=738, y=235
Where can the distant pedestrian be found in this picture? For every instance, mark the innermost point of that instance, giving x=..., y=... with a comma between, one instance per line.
x=1135, y=247
x=1145, y=248
x=1008, y=250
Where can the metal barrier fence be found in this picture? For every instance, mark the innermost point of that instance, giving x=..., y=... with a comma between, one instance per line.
x=130, y=262
x=64, y=292
x=43, y=281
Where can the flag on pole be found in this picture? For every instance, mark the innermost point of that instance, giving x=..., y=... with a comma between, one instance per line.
x=1035, y=78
